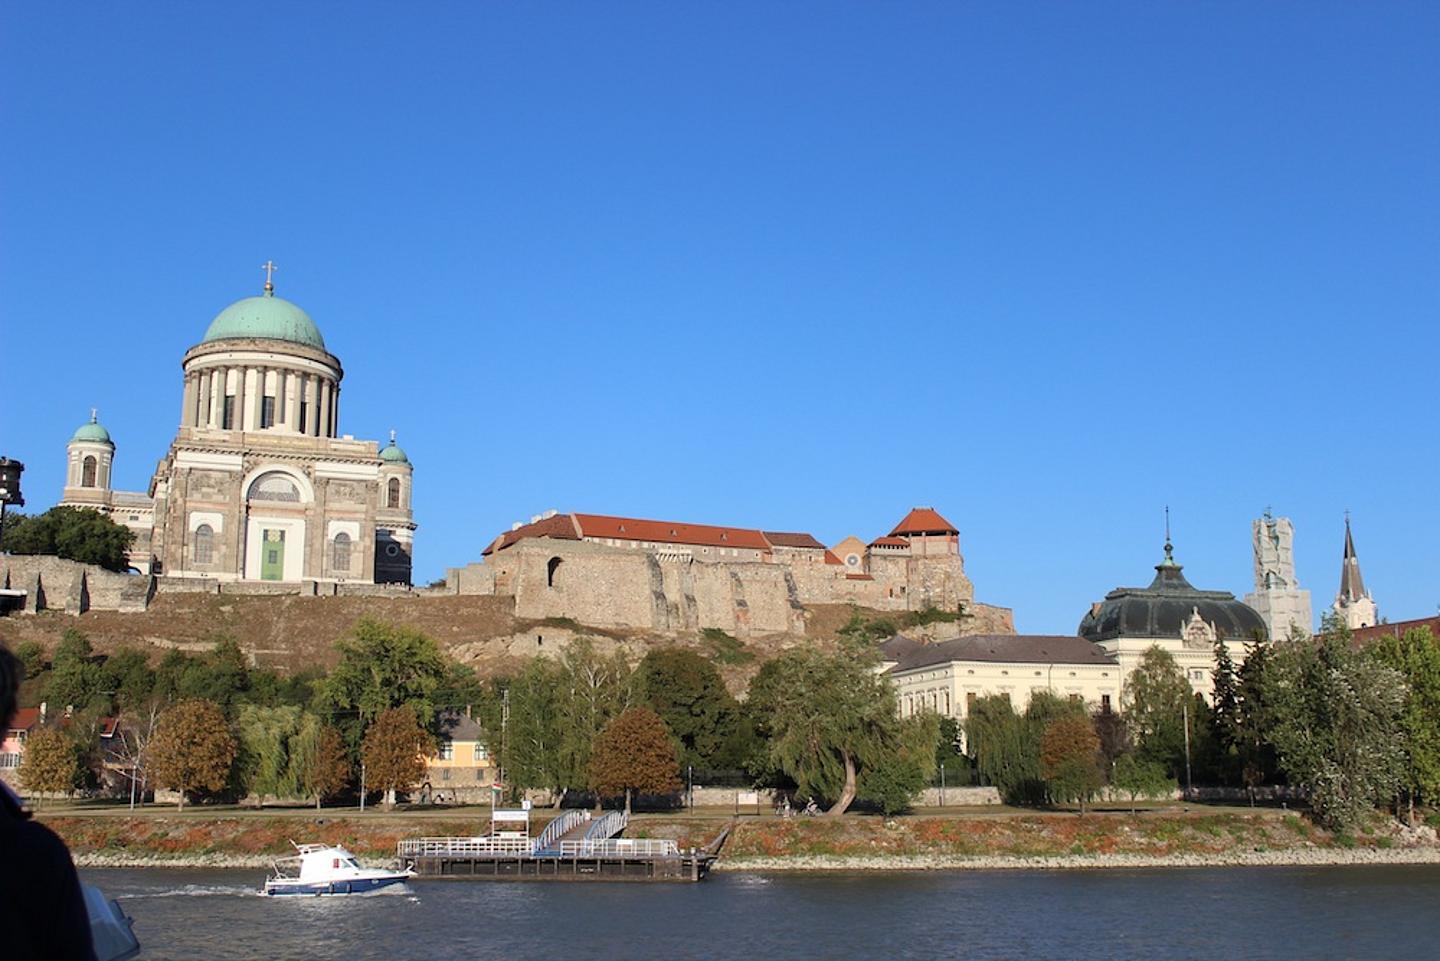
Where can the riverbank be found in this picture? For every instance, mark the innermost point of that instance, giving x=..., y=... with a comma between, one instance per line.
x=1169, y=837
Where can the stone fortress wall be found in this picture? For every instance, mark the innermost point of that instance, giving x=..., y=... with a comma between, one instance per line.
x=561, y=567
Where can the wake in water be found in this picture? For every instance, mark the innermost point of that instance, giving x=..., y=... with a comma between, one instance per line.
x=196, y=891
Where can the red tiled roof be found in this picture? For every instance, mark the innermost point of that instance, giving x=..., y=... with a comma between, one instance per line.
x=25, y=719
x=858, y=577
x=1368, y=635
x=924, y=520
x=782, y=539
x=891, y=541
x=830, y=558
x=669, y=532
x=560, y=527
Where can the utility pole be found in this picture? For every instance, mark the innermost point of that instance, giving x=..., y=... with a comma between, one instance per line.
x=1185, y=712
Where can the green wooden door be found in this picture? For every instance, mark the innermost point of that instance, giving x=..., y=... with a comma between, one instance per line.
x=272, y=556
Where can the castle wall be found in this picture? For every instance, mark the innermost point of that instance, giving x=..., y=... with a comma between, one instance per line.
x=55, y=584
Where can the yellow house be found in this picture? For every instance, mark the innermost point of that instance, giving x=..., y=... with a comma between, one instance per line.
x=461, y=771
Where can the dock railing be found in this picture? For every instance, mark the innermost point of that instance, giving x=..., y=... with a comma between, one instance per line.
x=607, y=826
x=464, y=847
x=558, y=827
x=620, y=848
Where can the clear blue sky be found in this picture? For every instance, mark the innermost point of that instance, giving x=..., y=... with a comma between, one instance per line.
x=795, y=266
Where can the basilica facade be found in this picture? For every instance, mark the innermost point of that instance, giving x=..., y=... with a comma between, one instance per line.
x=259, y=483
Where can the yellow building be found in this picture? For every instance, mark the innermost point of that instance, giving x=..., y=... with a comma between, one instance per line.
x=461, y=770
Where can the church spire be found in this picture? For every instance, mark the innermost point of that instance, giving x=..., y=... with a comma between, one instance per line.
x=1352, y=585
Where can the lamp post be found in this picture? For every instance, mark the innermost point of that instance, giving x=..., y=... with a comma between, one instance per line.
x=10, y=471
x=942, y=784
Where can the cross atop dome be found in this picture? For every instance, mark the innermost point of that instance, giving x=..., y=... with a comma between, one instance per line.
x=269, y=268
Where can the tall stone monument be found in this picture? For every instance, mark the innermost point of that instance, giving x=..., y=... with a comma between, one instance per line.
x=1277, y=596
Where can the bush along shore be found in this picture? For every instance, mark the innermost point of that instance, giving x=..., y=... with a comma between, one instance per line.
x=1162, y=838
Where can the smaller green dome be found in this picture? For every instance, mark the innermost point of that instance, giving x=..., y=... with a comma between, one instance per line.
x=393, y=454
x=266, y=316
x=93, y=431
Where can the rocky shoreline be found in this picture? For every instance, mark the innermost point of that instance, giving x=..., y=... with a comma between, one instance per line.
x=1316, y=857
x=1072, y=862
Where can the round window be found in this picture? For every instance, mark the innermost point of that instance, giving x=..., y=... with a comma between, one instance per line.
x=852, y=560
x=391, y=550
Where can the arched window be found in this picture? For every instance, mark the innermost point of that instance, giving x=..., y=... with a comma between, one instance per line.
x=274, y=487
x=87, y=472
x=393, y=498
x=550, y=570
x=204, y=544
x=341, y=560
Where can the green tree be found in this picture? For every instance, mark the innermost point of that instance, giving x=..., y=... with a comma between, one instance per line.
x=382, y=666
x=1139, y=778
x=263, y=764
x=634, y=754
x=1257, y=760
x=192, y=748
x=50, y=764
x=129, y=675
x=826, y=718
x=1005, y=746
x=76, y=678
x=531, y=749
x=319, y=763
x=1336, y=723
x=687, y=692
x=75, y=533
x=1070, y=759
x=899, y=774
x=32, y=657
x=394, y=751
x=594, y=689
x=1224, y=715
x=1416, y=655
x=949, y=742
x=1157, y=698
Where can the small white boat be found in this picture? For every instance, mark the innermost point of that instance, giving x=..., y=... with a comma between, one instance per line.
x=324, y=869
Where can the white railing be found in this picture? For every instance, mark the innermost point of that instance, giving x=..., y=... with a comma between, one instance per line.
x=558, y=827
x=464, y=847
x=607, y=826
x=620, y=847
x=10, y=760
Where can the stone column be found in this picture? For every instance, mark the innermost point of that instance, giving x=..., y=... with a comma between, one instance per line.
x=312, y=405
x=212, y=413
x=335, y=411
x=261, y=375
x=282, y=402
x=323, y=422
x=186, y=401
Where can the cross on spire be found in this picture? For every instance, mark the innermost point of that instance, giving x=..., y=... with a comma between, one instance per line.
x=1169, y=548
x=95, y=419
x=269, y=268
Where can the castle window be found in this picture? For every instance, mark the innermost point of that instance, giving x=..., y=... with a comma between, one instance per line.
x=204, y=550
x=550, y=570
x=87, y=473
x=341, y=559
x=267, y=412
x=392, y=497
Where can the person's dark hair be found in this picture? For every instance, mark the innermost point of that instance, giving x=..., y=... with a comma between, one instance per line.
x=12, y=672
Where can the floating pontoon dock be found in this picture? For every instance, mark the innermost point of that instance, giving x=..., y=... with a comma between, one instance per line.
x=573, y=847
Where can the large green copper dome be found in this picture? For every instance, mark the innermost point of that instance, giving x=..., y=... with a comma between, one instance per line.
x=266, y=316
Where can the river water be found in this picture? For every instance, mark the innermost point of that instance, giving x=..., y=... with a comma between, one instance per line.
x=1231, y=914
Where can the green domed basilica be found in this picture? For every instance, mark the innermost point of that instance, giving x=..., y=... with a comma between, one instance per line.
x=259, y=483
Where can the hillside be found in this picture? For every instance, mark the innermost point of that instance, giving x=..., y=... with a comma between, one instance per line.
x=289, y=632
